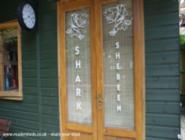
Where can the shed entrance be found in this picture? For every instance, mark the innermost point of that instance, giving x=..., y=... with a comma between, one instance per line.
x=101, y=68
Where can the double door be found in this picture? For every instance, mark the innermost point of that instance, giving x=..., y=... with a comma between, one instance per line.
x=101, y=69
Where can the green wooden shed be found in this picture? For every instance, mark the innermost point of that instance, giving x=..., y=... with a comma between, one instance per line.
x=62, y=85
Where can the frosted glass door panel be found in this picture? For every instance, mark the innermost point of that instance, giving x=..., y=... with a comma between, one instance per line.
x=78, y=67
x=118, y=65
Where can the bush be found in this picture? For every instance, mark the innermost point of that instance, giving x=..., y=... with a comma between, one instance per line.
x=182, y=40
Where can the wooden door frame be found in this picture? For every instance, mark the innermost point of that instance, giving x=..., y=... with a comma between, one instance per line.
x=64, y=126
x=139, y=59
x=139, y=51
x=139, y=71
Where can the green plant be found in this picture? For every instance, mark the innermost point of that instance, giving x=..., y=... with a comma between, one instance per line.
x=182, y=40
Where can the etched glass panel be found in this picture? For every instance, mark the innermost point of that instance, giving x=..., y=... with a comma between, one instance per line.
x=78, y=66
x=118, y=65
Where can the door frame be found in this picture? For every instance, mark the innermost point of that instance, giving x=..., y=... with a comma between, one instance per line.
x=139, y=53
x=64, y=126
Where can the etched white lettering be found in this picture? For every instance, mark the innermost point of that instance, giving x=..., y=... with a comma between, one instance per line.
x=119, y=108
x=77, y=50
x=77, y=79
x=118, y=55
x=78, y=64
x=118, y=97
x=78, y=92
x=117, y=45
x=118, y=77
x=118, y=87
x=118, y=66
x=79, y=106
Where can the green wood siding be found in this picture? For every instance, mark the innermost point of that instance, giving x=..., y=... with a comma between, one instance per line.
x=38, y=112
x=39, y=109
x=162, y=70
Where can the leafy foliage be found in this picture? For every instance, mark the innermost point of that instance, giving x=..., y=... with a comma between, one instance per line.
x=182, y=40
